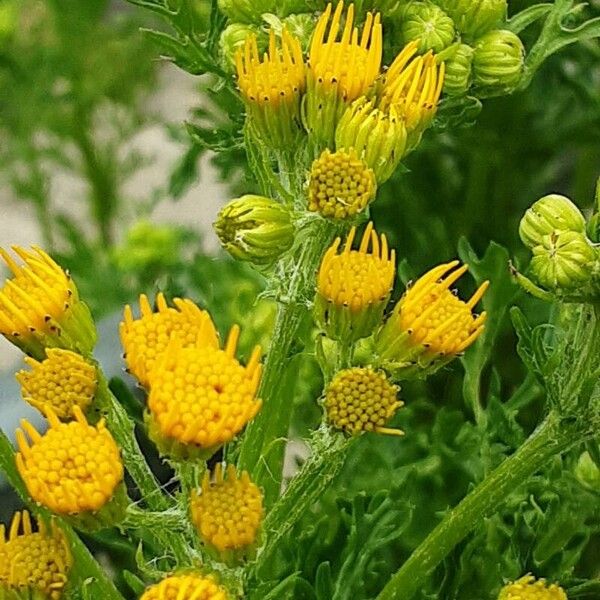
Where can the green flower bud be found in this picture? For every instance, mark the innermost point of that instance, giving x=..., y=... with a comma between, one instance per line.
x=473, y=18
x=240, y=11
x=255, y=229
x=498, y=63
x=301, y=26
x=428, y=25
x=587, y=472
x=458, y=71
x=233, y=38
x=548, y=214
x=563, y=261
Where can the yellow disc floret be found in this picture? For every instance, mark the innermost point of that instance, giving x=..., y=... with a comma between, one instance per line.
x=73, y=468
x=228, y=511
x=40, y=307
x=37, y=561
x=185, y=587
x=145, y=339
x=63, y=380
x=341, y=184
x=361, y=399
x=527, y=588
x=202, y=396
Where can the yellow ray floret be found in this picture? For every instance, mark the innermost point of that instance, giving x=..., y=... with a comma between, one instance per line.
x=73, y=468
x=361, y=399
x=145, y=339
x=435, y=317
x=527, y=588
x=63, y=380
x=201, y=395
x=276, y=79
x=357, y=278
x=348, y=64
x=185, y=587
x=37, y=560
x=228, y=511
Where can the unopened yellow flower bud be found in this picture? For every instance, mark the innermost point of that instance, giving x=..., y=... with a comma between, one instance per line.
x=40, y=306
x=61, y=381
x=353, y=287
x=497, y=63
x=473, y=18
x=255, y=229
x=272, y=88
x=428, y=25
x=378, y=137
x=341, y=184
x=361, y=399
x=527, y=588
x=550, y=213
x=563, y=261
x=233, y=38
x=340, y=69
x=228, y=512
x=430, y=325
x=72, y=469
x=201, y=397
x=37, y=562
x=186, y=587
x=459, y=71
x=145, y=339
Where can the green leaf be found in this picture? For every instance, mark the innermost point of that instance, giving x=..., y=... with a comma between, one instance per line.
x=526, y=17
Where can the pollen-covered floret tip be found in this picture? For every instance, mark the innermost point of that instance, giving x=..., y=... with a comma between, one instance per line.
x=71, y=469
x=146, y=338
x=186, y=586
x=63, y=380
x=527, y=588
x=228, y=510
x=341, y=184
x=361, y=399
x=36, y=560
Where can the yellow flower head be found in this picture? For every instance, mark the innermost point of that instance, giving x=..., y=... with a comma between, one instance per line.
x=145, y=339
x=527, y=588
x=272, y=88
x=228, y=512
x=185, y=587
x=63, y=380
x=361, y=399
x=201, y=396
x=40, y=307
x=430, y=323
x=341, y=185
x=413, y=85
x=35, y=560
x=73, y=468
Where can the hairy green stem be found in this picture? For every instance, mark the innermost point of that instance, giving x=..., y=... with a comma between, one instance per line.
x=552, y=437
x=263, y=447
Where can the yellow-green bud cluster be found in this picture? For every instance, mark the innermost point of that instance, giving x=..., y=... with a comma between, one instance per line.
x=341, y=184
x=473, y=18
x=459, y=70
x=428, y=25
x=255, y=229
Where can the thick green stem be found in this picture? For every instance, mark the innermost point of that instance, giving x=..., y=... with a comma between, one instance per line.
x=263, y=446
x=551, y=438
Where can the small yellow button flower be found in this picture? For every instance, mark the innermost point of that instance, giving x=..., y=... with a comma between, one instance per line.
x=63, y=380
x=430, y=325
x=361, y=399
x=353, y=287
x=73, y=468
x=201, y=397
x=272, y=87
x=38, y=561
x=40, y=306
x=228, y=512
x=340, y=68
x=341, y=185
x=527, y=588
x=185, y=587
x=145, y=339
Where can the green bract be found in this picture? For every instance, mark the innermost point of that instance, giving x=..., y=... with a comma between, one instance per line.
x=458, y=71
